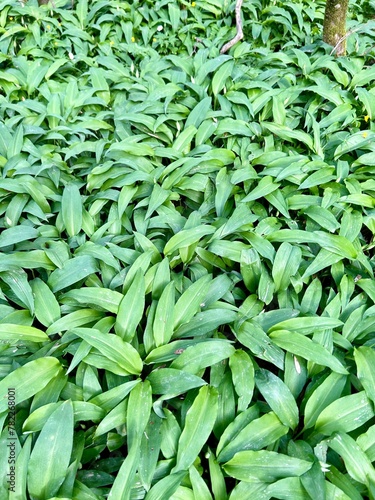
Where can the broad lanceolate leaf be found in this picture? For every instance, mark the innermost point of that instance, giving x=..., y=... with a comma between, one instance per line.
x=265, y=466
x=13, y=332
x=112, y=347
x=73, y=270
x=242, y=369
x=335, y=244
x=50, y=456
x=189, y=302
x=138, y=413
x=173, y=382
x=365, y=360
x=29, y=379
x=47, y=309
x=131, y=307
x=345, y=414
x=163, y=322
x=327, y=392
x=199, y=423
x=258, y=434
x=71, y=209
x=286, y=264
x=187, y=237
x=278, y=396
x=125, y=478
x=204, y=354
x=308, y=349
x=356, y=461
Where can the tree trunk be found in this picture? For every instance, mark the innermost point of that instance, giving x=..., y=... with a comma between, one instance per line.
x=334, y=25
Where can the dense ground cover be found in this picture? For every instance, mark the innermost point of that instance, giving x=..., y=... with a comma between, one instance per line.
x=186, y=268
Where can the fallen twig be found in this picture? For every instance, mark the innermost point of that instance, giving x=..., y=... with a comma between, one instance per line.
x=239, y=34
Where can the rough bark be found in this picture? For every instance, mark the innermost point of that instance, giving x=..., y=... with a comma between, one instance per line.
x=334, y=25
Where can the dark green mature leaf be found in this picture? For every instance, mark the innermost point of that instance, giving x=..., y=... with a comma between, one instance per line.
x=113, y=348
x=187, y=237
x=199, y=423
x=365, y=361
x=265, y=466
x=71, y=209
x=173, y=382
x=278, y=396
x=357, y=463
x=47, y=309
x=345, y=414
x=308, y=349
x=51, y=454
x=258, y=434
x=29, y=379
x=201, y=355
x=73, y=271
x=138, y=413
x=190, y=301
x=325, y=394
x=130, y=309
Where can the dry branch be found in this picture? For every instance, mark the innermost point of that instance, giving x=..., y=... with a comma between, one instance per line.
x=239, y=34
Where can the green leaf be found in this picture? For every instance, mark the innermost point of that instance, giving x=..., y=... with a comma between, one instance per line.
x=71, y=209
x=125, y=478
x=258, y=434
x=47, y=309
x=289, y=134
x=138, y=414
x=51, y=454
x=199, y=112
x=345, y=414
x=190, y=301
x=286, y=264
x=335, y=244
x=101, y=298
x=265, y=466
x=73, y=320
x=306, y=325
x=365, y=361
x=18, y=282
x=131, y=308
x=163, y=322
x=200, y=488
x=201, y=355
x=165, y=487
x=278, y=396
x=308, y=349
x=187, y=237
x=242, y=370
x=113, y=348
x=325, y=394
x=357, y=463
x=199, y=423
x=13, y=332
x=264, y=187
x=220, y=77
x=72, y=271
x=29, y=379
x=173, y=382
